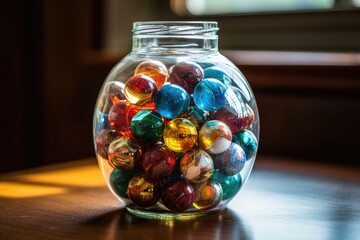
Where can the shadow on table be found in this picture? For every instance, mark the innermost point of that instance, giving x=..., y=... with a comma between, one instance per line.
x=121, y=224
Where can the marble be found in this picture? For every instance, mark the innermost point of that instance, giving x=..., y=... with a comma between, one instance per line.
x=154, y=69
x=209, y=94
x=124, y=153
x=215, y=137
x=196, y=165
x=171, y=101
x=180, y=135
x=140, y=89
x=178, y=195
x=147, y=127
x=186, y=74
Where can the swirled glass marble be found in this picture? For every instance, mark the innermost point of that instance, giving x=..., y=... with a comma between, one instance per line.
x=215, y=137
x=208, y=194
x=196, y=165
x=187, y=75
x=147, y=126
x=219, y=74
x=180, y=135
x=171, y=101
x=140, y=89
x=230, y=184
x=143, y=191
x=158, y=161
x=247, y=140
x=230, y=162
x=209, y=94
x=119, y=180
x=154, y=69
x=124, y=153
x=178, y=195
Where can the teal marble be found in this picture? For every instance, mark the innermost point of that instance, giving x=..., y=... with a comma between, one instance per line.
x=230, y=184
x=219, y=74
x=119, y=181
x=147, y=127
x=248, y=141
x=209, y=94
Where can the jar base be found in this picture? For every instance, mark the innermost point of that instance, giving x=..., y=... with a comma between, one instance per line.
x=151, y=214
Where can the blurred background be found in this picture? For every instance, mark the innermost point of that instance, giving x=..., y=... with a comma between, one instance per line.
x=301, y=58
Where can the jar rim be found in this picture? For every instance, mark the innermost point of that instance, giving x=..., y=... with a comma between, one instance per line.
x=175, y=28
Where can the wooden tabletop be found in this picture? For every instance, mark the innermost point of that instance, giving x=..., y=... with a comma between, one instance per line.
x=283, y=199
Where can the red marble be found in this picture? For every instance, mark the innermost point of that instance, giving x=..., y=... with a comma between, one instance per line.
x=187, y=75
x=178, y=195
x=158, y=162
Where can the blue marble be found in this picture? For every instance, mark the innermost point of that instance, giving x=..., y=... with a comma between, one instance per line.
x=248, y=141
x=230, y=162
x=171, y=101
x=230, y=184
x=219, y=74
x=101, y=122
x=209, y=94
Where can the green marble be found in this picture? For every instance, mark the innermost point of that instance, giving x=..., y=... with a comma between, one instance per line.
x=119, y=181
x=147, y=126
x=230, y=184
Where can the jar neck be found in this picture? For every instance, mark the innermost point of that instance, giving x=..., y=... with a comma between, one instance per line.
x=174, y=36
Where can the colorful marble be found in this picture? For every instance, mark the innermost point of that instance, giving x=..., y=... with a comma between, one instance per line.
x=158, y=161
x=171, y=101
x=186, y=75
x=113, y=92
x=103, y=140
x=154, y=69
x=208, y=194
x=124, y=154
x=119, y=181
x=180, y=135
x=215, y=137
x=147, y=126
x=230, y=184
x=230, y=162
x=197, y=116
x=178, y=195
x=248, y=142
x=219, y=74
x=140, y=89
x=196, y=165
x=143, y=191
x=209, y=94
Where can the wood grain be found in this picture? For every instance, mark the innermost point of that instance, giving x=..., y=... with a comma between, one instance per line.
x=299, y=200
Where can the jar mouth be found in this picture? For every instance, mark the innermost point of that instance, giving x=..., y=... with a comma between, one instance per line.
x=165, y=28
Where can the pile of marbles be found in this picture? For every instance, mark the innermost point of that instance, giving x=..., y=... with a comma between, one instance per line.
x=176, y=138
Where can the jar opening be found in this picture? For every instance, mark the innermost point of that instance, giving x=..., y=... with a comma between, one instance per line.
x=180, y=28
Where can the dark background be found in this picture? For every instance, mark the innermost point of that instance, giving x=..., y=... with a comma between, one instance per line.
x=55, y=56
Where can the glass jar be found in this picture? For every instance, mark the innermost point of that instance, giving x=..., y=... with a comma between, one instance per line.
x=176, y=124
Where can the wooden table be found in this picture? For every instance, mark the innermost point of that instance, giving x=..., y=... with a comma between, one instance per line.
x=282, y=200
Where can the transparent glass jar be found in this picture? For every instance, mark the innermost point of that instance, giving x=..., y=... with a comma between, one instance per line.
x=176, y=124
